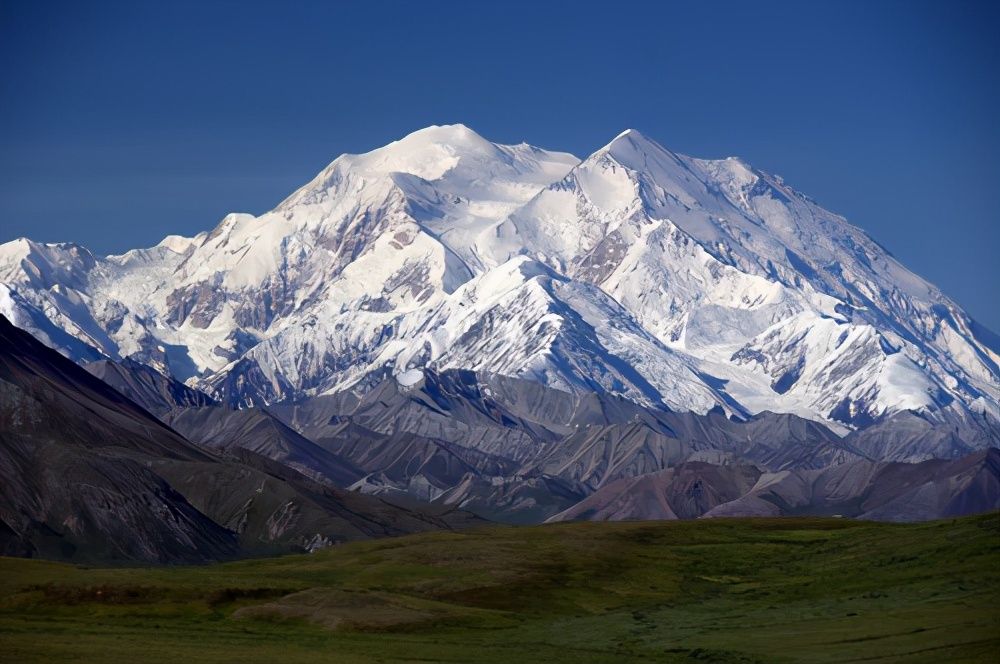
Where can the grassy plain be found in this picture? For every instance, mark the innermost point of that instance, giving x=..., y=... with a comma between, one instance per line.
x=761, y=590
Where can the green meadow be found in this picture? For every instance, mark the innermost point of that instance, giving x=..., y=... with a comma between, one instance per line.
x=746, y=590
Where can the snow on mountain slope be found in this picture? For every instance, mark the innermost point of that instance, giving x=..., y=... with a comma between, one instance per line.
x=791, y=307
x=678, y=282
x=520, y=319
x=26, y=316
x=360, y=236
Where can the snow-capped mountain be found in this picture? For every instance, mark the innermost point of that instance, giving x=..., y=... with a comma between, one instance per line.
x=674, y=282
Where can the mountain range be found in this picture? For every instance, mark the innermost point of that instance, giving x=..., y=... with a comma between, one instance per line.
x=447, y=328
x=673, y=282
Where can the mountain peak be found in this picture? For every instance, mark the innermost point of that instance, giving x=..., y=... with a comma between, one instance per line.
x=457, y=131
x=454, y=135
x=428, y=153
x=629, y=133
x=632, y=149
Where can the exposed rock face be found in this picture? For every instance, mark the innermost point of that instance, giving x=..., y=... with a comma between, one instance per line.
x=76, y=480
x=88, y=475
x=890, y=491
x=514, y=451
x=157, y=393
x=259, y=432
x=886, y=491
x=911, y=436
x=686, y=491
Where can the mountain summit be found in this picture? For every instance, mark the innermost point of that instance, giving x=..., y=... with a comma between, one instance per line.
x=674, y=282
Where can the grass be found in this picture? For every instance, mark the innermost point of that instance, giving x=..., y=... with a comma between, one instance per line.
x=766, y=590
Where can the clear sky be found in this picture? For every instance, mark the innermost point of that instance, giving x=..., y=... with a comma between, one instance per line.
x=123, y=122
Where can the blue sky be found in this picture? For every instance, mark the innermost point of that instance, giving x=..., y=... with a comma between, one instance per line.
x=123, y=122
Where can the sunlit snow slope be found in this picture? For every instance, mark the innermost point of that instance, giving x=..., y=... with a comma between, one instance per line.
x=672, y=281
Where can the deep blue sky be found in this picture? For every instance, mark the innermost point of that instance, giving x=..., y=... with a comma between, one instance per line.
x=123, y=122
